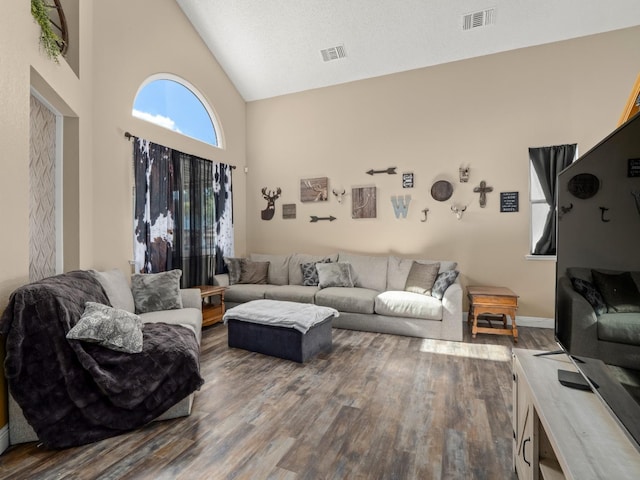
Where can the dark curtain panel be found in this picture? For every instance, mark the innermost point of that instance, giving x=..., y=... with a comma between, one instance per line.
x=548, y=162
x=223, y=195
x=153, y=209
x=194, y=232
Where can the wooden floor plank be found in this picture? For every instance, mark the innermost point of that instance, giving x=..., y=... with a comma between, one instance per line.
x=376, y=406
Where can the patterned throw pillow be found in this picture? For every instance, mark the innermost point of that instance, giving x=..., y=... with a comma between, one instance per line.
x=443, y=281
x=234, y=267
x=110, y=327
x=334, y=275
x=310, y=272
x=591, y=294
x=421, y=277
x=156, y=291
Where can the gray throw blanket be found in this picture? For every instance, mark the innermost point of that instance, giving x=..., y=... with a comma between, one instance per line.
x=301, y=316
x=73, y=392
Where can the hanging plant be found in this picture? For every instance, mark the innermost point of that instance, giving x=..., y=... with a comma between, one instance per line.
x=49, y=40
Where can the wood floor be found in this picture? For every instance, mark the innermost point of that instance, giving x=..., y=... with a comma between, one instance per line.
x=377, y=407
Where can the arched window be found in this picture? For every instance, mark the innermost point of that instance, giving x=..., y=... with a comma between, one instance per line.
x=171, y=102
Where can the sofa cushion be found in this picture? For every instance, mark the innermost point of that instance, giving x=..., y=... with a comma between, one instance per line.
x=190, y=318
x=421, y=277
x=591, y=294
x=254, y=272
x=240, y=293
x=408, y=304
x=109, y=327
x=296, y=259
x=443, y=281
x=619, y=328
x=278, y=267
x=234, y=266
x=336, y=274
x=369, y=271
x=398, y=270
x=156, y=291
x=619, y=291
x=292, y=293
x=353, y=300
x=117, y=288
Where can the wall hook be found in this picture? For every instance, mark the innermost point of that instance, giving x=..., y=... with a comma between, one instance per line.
x=565, y=210
x=603, y=210
x=425, y=211
x=636, y=196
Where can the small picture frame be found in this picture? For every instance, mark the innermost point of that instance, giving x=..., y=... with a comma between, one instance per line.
x=288, y=211
x=407, y=180
x=509, y=202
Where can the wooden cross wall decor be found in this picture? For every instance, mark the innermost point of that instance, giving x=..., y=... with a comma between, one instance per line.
x=483, y=190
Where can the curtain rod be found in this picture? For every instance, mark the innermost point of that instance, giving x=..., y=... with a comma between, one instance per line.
x=129, y=136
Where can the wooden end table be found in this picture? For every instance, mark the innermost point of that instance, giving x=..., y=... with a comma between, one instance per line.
x=211, y=313
x=492, y=301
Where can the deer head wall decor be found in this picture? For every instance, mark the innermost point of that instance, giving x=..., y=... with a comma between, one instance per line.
x=271, y=197
x=458, y=211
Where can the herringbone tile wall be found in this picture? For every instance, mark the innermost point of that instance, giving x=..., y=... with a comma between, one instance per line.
x=42, y=192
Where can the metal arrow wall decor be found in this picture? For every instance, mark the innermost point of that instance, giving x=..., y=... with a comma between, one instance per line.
x=315, y=219
x=390, y=171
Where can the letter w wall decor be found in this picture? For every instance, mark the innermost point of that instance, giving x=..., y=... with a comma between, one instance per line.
x=401, y=205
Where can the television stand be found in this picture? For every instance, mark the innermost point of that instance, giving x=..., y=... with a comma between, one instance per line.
x=563, y=433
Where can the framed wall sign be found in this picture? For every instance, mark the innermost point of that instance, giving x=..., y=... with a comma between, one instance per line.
x=407, y=180
x=509, y=202
x=633, y=167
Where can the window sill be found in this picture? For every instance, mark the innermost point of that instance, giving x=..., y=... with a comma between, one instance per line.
x=546, y=258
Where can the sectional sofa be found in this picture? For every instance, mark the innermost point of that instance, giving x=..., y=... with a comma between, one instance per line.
x=378, y=301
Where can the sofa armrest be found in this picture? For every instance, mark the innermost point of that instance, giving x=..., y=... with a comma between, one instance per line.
x=452, y=321
x=191, y=298
x=221, y=280
x=575, y=314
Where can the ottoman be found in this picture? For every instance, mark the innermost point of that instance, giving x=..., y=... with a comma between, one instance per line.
x=288, y=330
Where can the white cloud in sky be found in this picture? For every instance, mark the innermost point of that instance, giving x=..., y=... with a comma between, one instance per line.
x=158, y=119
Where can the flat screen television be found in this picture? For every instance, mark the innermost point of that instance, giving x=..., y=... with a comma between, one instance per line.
x=598, y=230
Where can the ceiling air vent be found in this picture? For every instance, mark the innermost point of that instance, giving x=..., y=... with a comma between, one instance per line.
x=479, y=19
x=333, y=53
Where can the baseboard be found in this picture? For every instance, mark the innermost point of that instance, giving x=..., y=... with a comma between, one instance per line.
x=523, y=321
x=4, y=438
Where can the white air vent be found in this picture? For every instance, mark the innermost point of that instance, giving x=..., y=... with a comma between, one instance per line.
x=479, y=19
x=333, y=53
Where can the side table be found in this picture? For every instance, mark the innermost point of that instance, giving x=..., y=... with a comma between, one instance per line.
x=492, y=301
x=211, y=312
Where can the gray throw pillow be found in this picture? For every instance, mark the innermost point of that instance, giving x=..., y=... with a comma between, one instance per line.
x=254, y=272
x=443, y=281
x=334, y=275
x=619, y=291
x=421, y=277
x=591, y=295
x=310, y=272
x=110, y=327
x=153, y=292
x=117, y=288
x=234, y=266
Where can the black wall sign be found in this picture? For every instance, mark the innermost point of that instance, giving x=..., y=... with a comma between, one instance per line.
x=509, y=201
x=633, y=167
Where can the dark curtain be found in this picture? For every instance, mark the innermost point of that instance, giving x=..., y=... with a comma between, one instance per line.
x=223, y=195
x=153, y=207
x=548, y=162
x=194, y=232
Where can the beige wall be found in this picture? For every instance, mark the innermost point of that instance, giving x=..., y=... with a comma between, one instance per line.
x=121, y=44
x=483, y=112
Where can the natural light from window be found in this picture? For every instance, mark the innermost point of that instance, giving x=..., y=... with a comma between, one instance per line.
x=174, y=104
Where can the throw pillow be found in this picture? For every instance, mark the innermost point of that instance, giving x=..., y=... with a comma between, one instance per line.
x=421, y=277
x=591, y=294
x=156, y=291
x=334, y=275
x=443, y=281
x=234, y=266
x=310, y=273
x=117, y=288
x=110, y=327
x=619, y=291
x=254, y=272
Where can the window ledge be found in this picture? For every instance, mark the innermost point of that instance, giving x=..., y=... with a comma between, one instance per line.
x=546, y=258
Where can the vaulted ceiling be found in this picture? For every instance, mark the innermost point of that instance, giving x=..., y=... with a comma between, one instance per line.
x=274, y=47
